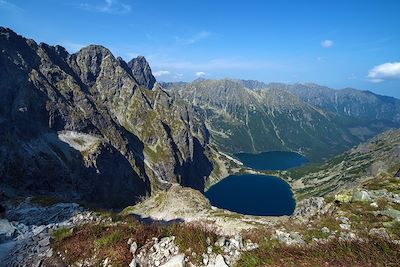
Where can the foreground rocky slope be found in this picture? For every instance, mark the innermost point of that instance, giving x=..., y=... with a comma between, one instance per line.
x=250, y=116
x=356, y=223
x=358, y=226
x=89, y=126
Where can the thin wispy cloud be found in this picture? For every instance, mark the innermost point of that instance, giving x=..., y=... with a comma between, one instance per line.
x=193, y=39
x=327, y=43
x=9, y=6
x=161, y=73
x=213, y=64
x=386, y=71
x=108, y=6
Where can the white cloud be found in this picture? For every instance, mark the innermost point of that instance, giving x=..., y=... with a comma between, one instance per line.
x=200, y=73
x=327, y=43
x=161, y=73
x=193, y=39
x=386, y=71
x=108, y=6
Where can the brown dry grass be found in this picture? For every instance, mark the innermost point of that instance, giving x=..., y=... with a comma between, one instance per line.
x=374, y=252
x=110, y=240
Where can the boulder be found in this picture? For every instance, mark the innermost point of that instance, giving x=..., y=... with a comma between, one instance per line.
x=175, y=261
x=310, y=207
x=292, y=238
x=374, y=205
x=133, y=263
x=133, y=247
x=392, y=213
x=361, y=196
x=7, y=230
x=325, y=230
x=220, y=242
x=379, y=232
x=219, y=261
x=345, y=226
x=343, y=198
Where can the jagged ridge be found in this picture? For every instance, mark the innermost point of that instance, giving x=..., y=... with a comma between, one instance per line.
x=251, y=116
x=86, y=126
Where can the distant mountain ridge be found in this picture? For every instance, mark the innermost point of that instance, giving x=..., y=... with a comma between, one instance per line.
x=252, y=116
x=348, y=101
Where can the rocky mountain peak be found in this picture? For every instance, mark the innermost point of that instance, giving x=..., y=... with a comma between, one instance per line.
x=7, y=32
x=141, y=71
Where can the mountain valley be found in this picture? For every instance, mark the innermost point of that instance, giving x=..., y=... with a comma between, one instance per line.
x=103, y=165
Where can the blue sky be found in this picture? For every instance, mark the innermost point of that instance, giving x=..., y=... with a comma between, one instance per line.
x=329, y=42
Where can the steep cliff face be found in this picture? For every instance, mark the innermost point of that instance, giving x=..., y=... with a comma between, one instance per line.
x=86, y=126
x=141, y=71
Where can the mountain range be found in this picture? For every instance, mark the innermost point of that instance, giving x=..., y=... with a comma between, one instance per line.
x=319, y=122
x=89, y=126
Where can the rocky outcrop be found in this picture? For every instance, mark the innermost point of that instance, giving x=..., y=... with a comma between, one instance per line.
x=165, y=253
x=176, y=204
x=141, y=71
x=84, y=126
x=309, y=208
x=33, y=224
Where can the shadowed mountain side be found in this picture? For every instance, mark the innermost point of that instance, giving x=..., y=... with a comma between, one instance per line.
x=117, y=145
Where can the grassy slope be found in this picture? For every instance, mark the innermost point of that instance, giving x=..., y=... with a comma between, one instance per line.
x=380, y=154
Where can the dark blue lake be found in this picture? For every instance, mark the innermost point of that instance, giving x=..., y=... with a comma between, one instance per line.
x=258, y=194
x=253, y=195
x=274, y=160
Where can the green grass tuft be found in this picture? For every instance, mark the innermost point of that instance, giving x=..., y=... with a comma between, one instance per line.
x=61, y=234
x=110, y=239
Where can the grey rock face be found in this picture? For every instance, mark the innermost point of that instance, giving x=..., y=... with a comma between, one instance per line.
x=175, y=261
x=220, y=262
x=307, y=208
x=7, y=230
x=82, y=126
x=292, y=238
x=33, y=226
x=141, y=71
x=392, y=213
